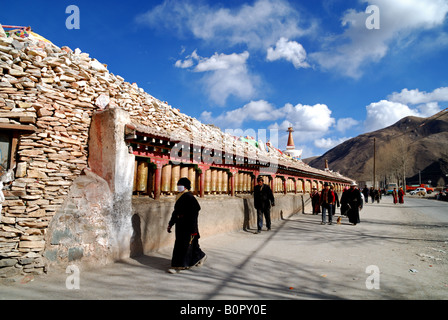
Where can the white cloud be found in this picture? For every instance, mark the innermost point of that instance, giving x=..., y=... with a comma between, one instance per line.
x=347, y=53
x=291, y=51
x=344, y=124
x=310, y=121
x=416, y=96
x=222, y=62
x=258, y=25
x=187, y=63
x=225, y=75
x=189, y=60
x=328, y=143
x=385, y=113
x=402, y=104
x=255, y=110
x=316, y=118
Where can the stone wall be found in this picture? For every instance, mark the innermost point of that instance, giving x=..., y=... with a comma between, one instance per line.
x=55, y=92
x=151, y=217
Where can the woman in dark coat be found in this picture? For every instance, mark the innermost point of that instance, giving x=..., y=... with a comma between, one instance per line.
x=186, y=252
x=351, y=199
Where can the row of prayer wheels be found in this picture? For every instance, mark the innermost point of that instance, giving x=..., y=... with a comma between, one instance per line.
x=243, y=182
x=216, y=181
x=290, y=186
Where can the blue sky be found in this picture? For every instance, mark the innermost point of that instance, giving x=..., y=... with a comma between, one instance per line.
x=267, y=64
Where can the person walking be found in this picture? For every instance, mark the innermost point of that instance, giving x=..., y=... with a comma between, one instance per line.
x=263, y=200
x=315, y=201
x=395, y=195
x=372, y=194
x=365, y=192
x=351, y=199
x=378, y=195
x=186, y=252
x=336, y=200
x=327, y=200
x=401, y=195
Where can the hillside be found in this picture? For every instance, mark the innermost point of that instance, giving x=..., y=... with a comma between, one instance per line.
x=410, y=145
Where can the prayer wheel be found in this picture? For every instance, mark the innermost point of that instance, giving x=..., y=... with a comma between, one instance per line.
x=235, y=181
x=208, y=180
x=214, y=180
x=239, y=182
x=142, y=176
x=192, y=178
x=225, y=181
x=219, y=181
x=166, y=178
x=175, y=176
x=183, y=172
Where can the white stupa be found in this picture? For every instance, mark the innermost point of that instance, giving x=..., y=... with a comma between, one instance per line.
x=290, y=148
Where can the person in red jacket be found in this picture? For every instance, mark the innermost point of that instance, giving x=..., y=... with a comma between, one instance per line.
x=327, y=200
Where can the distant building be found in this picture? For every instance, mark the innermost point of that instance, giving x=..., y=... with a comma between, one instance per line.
x=290, y=148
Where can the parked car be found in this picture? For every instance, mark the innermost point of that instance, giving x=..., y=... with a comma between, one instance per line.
x=418, y=191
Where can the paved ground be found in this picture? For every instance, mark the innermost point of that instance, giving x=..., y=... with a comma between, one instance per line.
x=297, y=259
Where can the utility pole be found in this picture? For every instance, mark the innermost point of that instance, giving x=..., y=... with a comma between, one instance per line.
x=374, y=162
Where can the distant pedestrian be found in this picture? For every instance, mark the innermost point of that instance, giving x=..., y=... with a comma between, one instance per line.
x=186, y=252
x=395, y=195
x=365, y=192
x=327, y=200
x=372, y=194
x=378, y=195
x=263, y=200
x=315, y=201
x=401, y=195
x=351, y=199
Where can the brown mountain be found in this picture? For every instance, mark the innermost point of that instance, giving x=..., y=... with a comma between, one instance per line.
x=409, y=146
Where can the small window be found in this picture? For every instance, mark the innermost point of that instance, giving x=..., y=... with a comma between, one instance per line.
x=5, y=152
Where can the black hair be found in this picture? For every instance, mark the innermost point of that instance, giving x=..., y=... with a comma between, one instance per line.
x=184, y=182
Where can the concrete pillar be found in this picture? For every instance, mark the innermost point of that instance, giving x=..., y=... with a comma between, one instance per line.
x=110, y=159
